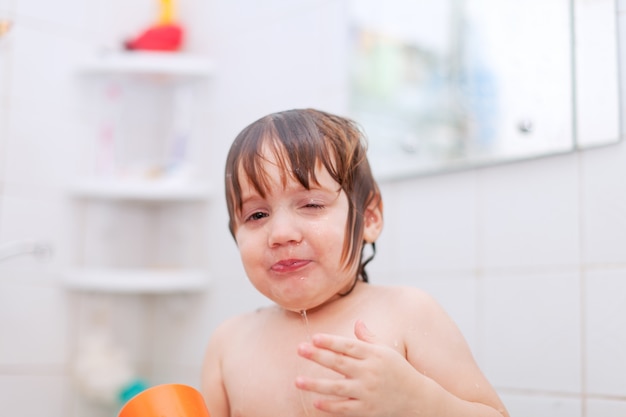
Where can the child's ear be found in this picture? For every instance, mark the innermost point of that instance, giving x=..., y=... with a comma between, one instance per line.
x=373, y=221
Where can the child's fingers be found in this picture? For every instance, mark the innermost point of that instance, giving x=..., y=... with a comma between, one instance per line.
x=346, y=346
x=341, y=388
x=338, y=362
x=337, y=398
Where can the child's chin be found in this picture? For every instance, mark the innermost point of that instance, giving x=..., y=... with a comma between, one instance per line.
x=293, y=309
x=297, y=308
x=304, y=307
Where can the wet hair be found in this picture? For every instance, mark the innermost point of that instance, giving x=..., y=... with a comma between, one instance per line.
x=300, y=140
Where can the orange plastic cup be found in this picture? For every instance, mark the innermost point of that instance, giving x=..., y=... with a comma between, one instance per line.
x=167, y=400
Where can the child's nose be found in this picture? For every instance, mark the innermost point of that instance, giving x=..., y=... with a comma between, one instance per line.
x=284, y=228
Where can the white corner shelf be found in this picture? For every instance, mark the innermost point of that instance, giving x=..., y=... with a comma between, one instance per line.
x=171, y=64
x=141, y=190
x=156, y=72
x=137, y=281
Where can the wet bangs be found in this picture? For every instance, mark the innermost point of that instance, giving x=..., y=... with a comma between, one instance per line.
x=297, y=146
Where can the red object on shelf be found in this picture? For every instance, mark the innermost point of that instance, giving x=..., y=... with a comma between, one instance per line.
x=158, y=38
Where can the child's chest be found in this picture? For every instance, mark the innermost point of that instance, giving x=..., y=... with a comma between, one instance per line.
x=260, y=374
x=261, y=367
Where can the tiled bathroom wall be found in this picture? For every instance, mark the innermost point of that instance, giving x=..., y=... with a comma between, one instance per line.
x=529, y=258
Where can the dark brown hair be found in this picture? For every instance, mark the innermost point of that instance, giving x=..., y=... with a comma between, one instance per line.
x=300, y=139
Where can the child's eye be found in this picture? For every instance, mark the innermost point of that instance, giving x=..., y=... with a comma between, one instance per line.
x=314, y=206
x=258, y=215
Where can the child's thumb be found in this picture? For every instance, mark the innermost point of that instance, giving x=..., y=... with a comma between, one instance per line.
x=363, y=333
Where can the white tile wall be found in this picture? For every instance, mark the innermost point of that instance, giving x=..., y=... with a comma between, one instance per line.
x=531, y=330
x=605, y=321
x=35, y=395
x=35, y=322
x=528, y=258
x=529, y=405
x=431, y=224
x=603, y=205
x=605, y=408
x=529, y=214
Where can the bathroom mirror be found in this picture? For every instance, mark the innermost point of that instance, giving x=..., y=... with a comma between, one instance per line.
x=453, y=84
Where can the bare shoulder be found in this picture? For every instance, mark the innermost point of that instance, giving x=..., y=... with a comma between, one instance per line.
x=235, y=327
x=409, y=313
x=229, y=336
x=408, y=292
x=431, y=337
x=412, y=301
x=418, y=309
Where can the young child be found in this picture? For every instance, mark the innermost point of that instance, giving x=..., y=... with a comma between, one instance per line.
x=303, y=205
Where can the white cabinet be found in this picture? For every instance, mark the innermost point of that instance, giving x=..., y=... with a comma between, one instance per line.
x=140, y=204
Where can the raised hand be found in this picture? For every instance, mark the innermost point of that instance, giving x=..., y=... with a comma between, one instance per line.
x=377, y=380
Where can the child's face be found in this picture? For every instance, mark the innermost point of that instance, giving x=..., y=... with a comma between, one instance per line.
x=291, y=241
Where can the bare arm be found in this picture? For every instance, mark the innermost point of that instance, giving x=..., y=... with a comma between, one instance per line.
x=212, y=385
x=441, y=353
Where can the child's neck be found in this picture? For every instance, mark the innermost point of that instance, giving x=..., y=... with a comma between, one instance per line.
x=335, y=300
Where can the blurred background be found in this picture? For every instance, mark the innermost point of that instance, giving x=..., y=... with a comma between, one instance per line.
x=115, y=259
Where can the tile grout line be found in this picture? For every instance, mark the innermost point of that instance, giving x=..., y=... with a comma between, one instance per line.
x=582, y=287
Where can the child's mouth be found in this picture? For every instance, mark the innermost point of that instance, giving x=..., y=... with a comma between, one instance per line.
x=289, y=265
